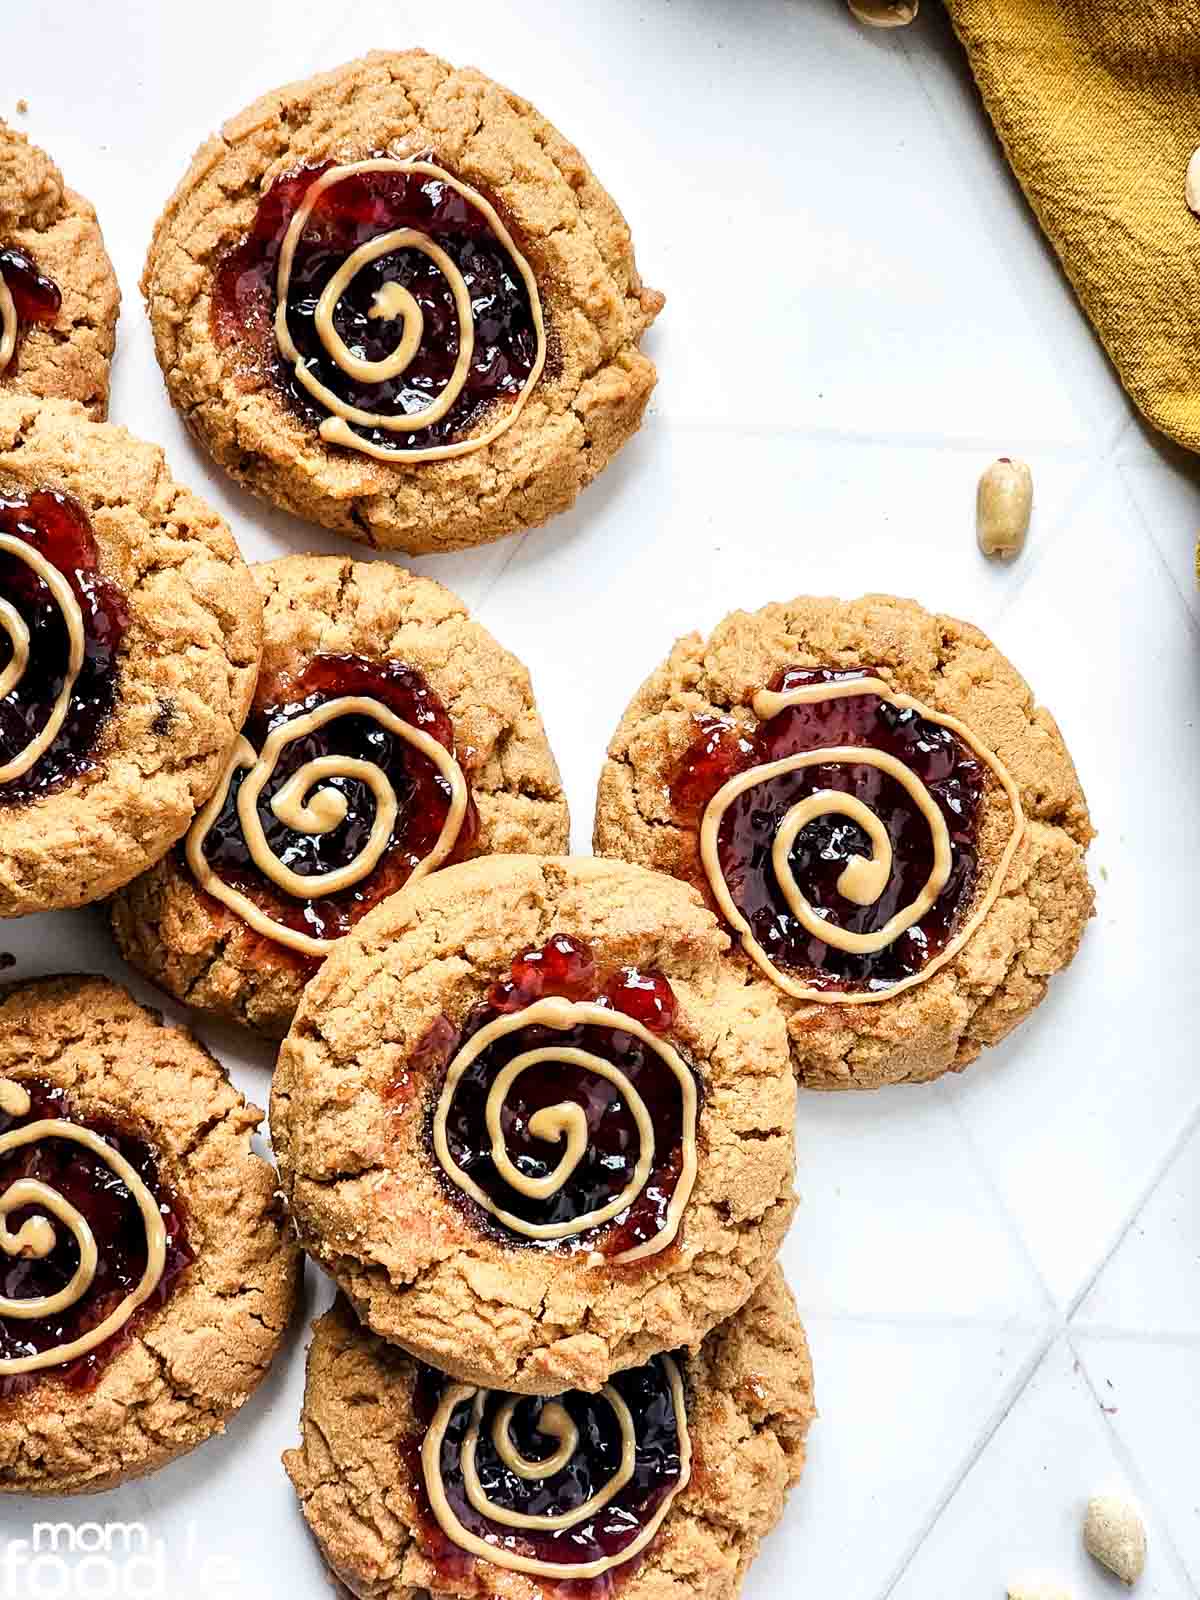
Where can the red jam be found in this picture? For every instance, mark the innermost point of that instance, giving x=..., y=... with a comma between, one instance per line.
x=657, y=1471
x=58, y=528
x=85, y=1181
x=565, y=967
x=345, y=216
x=951, y=772
x=422, y=793
x=36, y=298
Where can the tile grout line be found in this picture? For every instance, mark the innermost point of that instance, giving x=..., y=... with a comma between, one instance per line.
x=501, y=573
x=817, y=433
x=1110, y=1333
x=1193, y=622
x=1129, y=1464
x=1158, y=1176
x=1101, y=463
x=1012, y=1226
x=1022, y=1381
x=1049, y=1326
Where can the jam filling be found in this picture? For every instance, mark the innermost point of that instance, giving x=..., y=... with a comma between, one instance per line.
x=85, y=1181
x=646, y=1391
x=565, y=967
x=952, y=773
x=345, y=216
x=35, y=297
x=421, y=791
x=58, y=528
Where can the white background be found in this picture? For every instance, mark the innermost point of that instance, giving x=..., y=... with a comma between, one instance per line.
x=1000, y=1273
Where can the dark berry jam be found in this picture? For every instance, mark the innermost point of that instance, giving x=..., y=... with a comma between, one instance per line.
x=565, y=967
x=952, y=773
x=58, y=528
x=422, y=793
x=657, y=1472
x=35, y=297
x=95, y=1190
x=345, y=216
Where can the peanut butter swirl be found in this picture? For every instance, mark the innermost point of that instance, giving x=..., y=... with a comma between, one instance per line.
x=394, y=302
x=302, y=805
x=8, y=325
x=37, y=1236
x=13, y=625
x=566, y=1123
x=555, y=1423
x=864, y=878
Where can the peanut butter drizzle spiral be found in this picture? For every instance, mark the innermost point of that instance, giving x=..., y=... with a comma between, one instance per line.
x=567, y=1122
x=36, y=1237
x=555, y=1423
x=8, y=325
x=864, y=878
x=393, y=301
x=12, y=623
x=318, y=813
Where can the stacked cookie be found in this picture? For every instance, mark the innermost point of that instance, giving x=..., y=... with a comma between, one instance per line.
x=539, y=1130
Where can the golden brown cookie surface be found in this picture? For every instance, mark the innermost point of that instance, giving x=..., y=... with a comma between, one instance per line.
x=146, y=727
x=1016, y=896
x=749, y=1405
x=229, y=374
x=63, y=295
x=420, y=1028
x=80, y=1050
x=331, y=627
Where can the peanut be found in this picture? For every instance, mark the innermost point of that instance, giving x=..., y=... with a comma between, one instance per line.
x=1191, y=187
x=1113, y=1533
x=885, y=13
x=1003, y=506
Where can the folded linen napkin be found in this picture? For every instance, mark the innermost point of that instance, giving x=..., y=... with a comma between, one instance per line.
x=1097, y=103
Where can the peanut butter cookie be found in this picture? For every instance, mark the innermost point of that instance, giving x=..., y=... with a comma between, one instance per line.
x=389, y=734
x=130, y=631
x=394, y=300
x=535, y=1124
x=58, y=293
x=885, y=819
x=150, y=1273
x=412, y=1483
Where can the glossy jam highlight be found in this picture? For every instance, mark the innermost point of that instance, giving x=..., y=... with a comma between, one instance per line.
x=89, y=1185
x=421, y=791
x=57, y=527
x=565, y=967
x=950, y=771
x=346, y=216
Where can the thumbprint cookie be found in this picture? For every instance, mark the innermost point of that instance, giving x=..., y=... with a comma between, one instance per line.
x=148, y=1270
x=389, y=735
x=394, y=300
x=58, y=293
x=534, y=1123
x=662, y=1483
x=130, y=631
x=889, y=826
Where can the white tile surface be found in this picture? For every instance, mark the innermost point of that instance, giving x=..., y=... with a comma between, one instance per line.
x=1151, y=1285
x=861, y=313
x=1015, y=1516
x=1151, y=1395
x=903, y=1409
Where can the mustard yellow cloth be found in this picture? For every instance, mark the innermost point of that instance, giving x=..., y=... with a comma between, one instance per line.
x=1097, y=103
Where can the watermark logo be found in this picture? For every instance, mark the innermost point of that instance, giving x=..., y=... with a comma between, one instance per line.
x=108, y=1561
